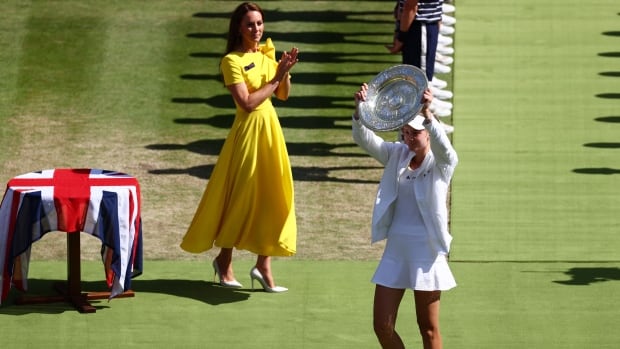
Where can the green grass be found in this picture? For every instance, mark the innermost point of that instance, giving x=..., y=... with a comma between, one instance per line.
x=118, y=86
x=528, y=89
x=496, y=305
x=134, y=86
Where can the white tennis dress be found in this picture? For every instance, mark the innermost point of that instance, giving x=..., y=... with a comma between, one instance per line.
x=409, y=260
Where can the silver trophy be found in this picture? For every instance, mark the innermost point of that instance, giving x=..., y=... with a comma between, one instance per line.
x=394, y=98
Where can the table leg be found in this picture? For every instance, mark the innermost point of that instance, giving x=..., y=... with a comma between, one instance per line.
x=71, y=291
x=74, y=275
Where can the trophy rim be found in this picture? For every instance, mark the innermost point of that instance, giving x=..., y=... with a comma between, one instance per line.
x=394, y=97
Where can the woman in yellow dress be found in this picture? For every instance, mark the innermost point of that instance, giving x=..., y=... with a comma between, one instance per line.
x=249, y=200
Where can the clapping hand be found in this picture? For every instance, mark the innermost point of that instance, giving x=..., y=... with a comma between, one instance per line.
x=286, y=63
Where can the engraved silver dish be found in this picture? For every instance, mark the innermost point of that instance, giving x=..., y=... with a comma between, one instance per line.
x=394, y=98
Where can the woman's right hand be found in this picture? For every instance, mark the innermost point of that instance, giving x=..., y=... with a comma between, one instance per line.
x=286, y=63
x=360, y=96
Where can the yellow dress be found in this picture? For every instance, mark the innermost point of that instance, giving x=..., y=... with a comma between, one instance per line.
x=249, y=201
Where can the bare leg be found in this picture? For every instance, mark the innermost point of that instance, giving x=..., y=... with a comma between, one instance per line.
x=427, y=312
x=224, y=262
x=263, y=264
x=385, y=310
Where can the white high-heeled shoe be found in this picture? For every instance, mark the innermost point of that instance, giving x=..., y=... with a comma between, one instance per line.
x=229, y=284
x=256, y=275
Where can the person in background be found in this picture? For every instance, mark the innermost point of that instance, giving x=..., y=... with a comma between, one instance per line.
x=416, y=37
x=248, y=203
x=417, y=33
x=411, y=213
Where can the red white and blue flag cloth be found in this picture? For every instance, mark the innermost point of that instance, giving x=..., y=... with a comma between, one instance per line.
x=105, y=204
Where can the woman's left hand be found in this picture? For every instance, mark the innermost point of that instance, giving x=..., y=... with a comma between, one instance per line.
x=427, y=99
x=286, y=63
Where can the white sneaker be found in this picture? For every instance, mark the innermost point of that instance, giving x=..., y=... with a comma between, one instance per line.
x=441, y=94
x=447, y=60
x=447, y=128
x=444, y=40
x=447, y=8
x=437, y=82
x=445, y=50
x=446, y=30
x=442, y=68
x=449, y=20
x=439, y=104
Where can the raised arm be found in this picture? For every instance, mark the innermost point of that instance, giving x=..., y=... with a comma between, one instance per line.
x=286, y=63
x=279, y=85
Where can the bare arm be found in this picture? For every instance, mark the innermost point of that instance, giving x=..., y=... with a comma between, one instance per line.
x=408, y=14
x=249, y=101
x=286, y=63
x=405, y=18
x=441, y=146
x=280, y=85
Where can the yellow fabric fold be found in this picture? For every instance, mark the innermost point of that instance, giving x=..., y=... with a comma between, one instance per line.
x=268, y=49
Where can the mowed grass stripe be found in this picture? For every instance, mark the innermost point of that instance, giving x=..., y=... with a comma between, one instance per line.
x=526, y=106
x=496, y=305
x=59, y=62
x=12, y=20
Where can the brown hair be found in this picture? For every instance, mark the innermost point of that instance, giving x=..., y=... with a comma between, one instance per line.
x=234, y=36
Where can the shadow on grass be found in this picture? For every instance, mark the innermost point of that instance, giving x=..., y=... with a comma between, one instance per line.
x=610, y=73
x=604, y=145
x=305, y=102
x=327, y=16
x=201, y=291
x=311, y=173
x=225, y=121
x=609, y=54
x=324, y=78
x=597, y=171
x=601, y=145
x=611, y=95
x=587, y=276
x=610, y=119
x=322, y=57
x=307, y=174
x=316, y=37
x=214, y=146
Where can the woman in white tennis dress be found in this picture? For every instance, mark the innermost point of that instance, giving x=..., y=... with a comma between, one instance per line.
x=411, y=213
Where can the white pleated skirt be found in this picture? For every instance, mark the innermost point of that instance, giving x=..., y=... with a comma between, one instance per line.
x=408, y=263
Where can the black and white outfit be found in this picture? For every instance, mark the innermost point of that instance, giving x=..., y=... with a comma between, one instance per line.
x=420, y=40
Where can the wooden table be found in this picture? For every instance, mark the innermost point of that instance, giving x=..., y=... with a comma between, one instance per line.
x=105, y=204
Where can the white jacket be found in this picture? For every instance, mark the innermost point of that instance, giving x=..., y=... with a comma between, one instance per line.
x=431, y=190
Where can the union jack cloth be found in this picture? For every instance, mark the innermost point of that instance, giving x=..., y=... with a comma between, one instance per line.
x=105, y=204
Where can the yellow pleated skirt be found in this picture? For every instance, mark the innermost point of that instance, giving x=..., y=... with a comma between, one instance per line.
x=248, y=203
